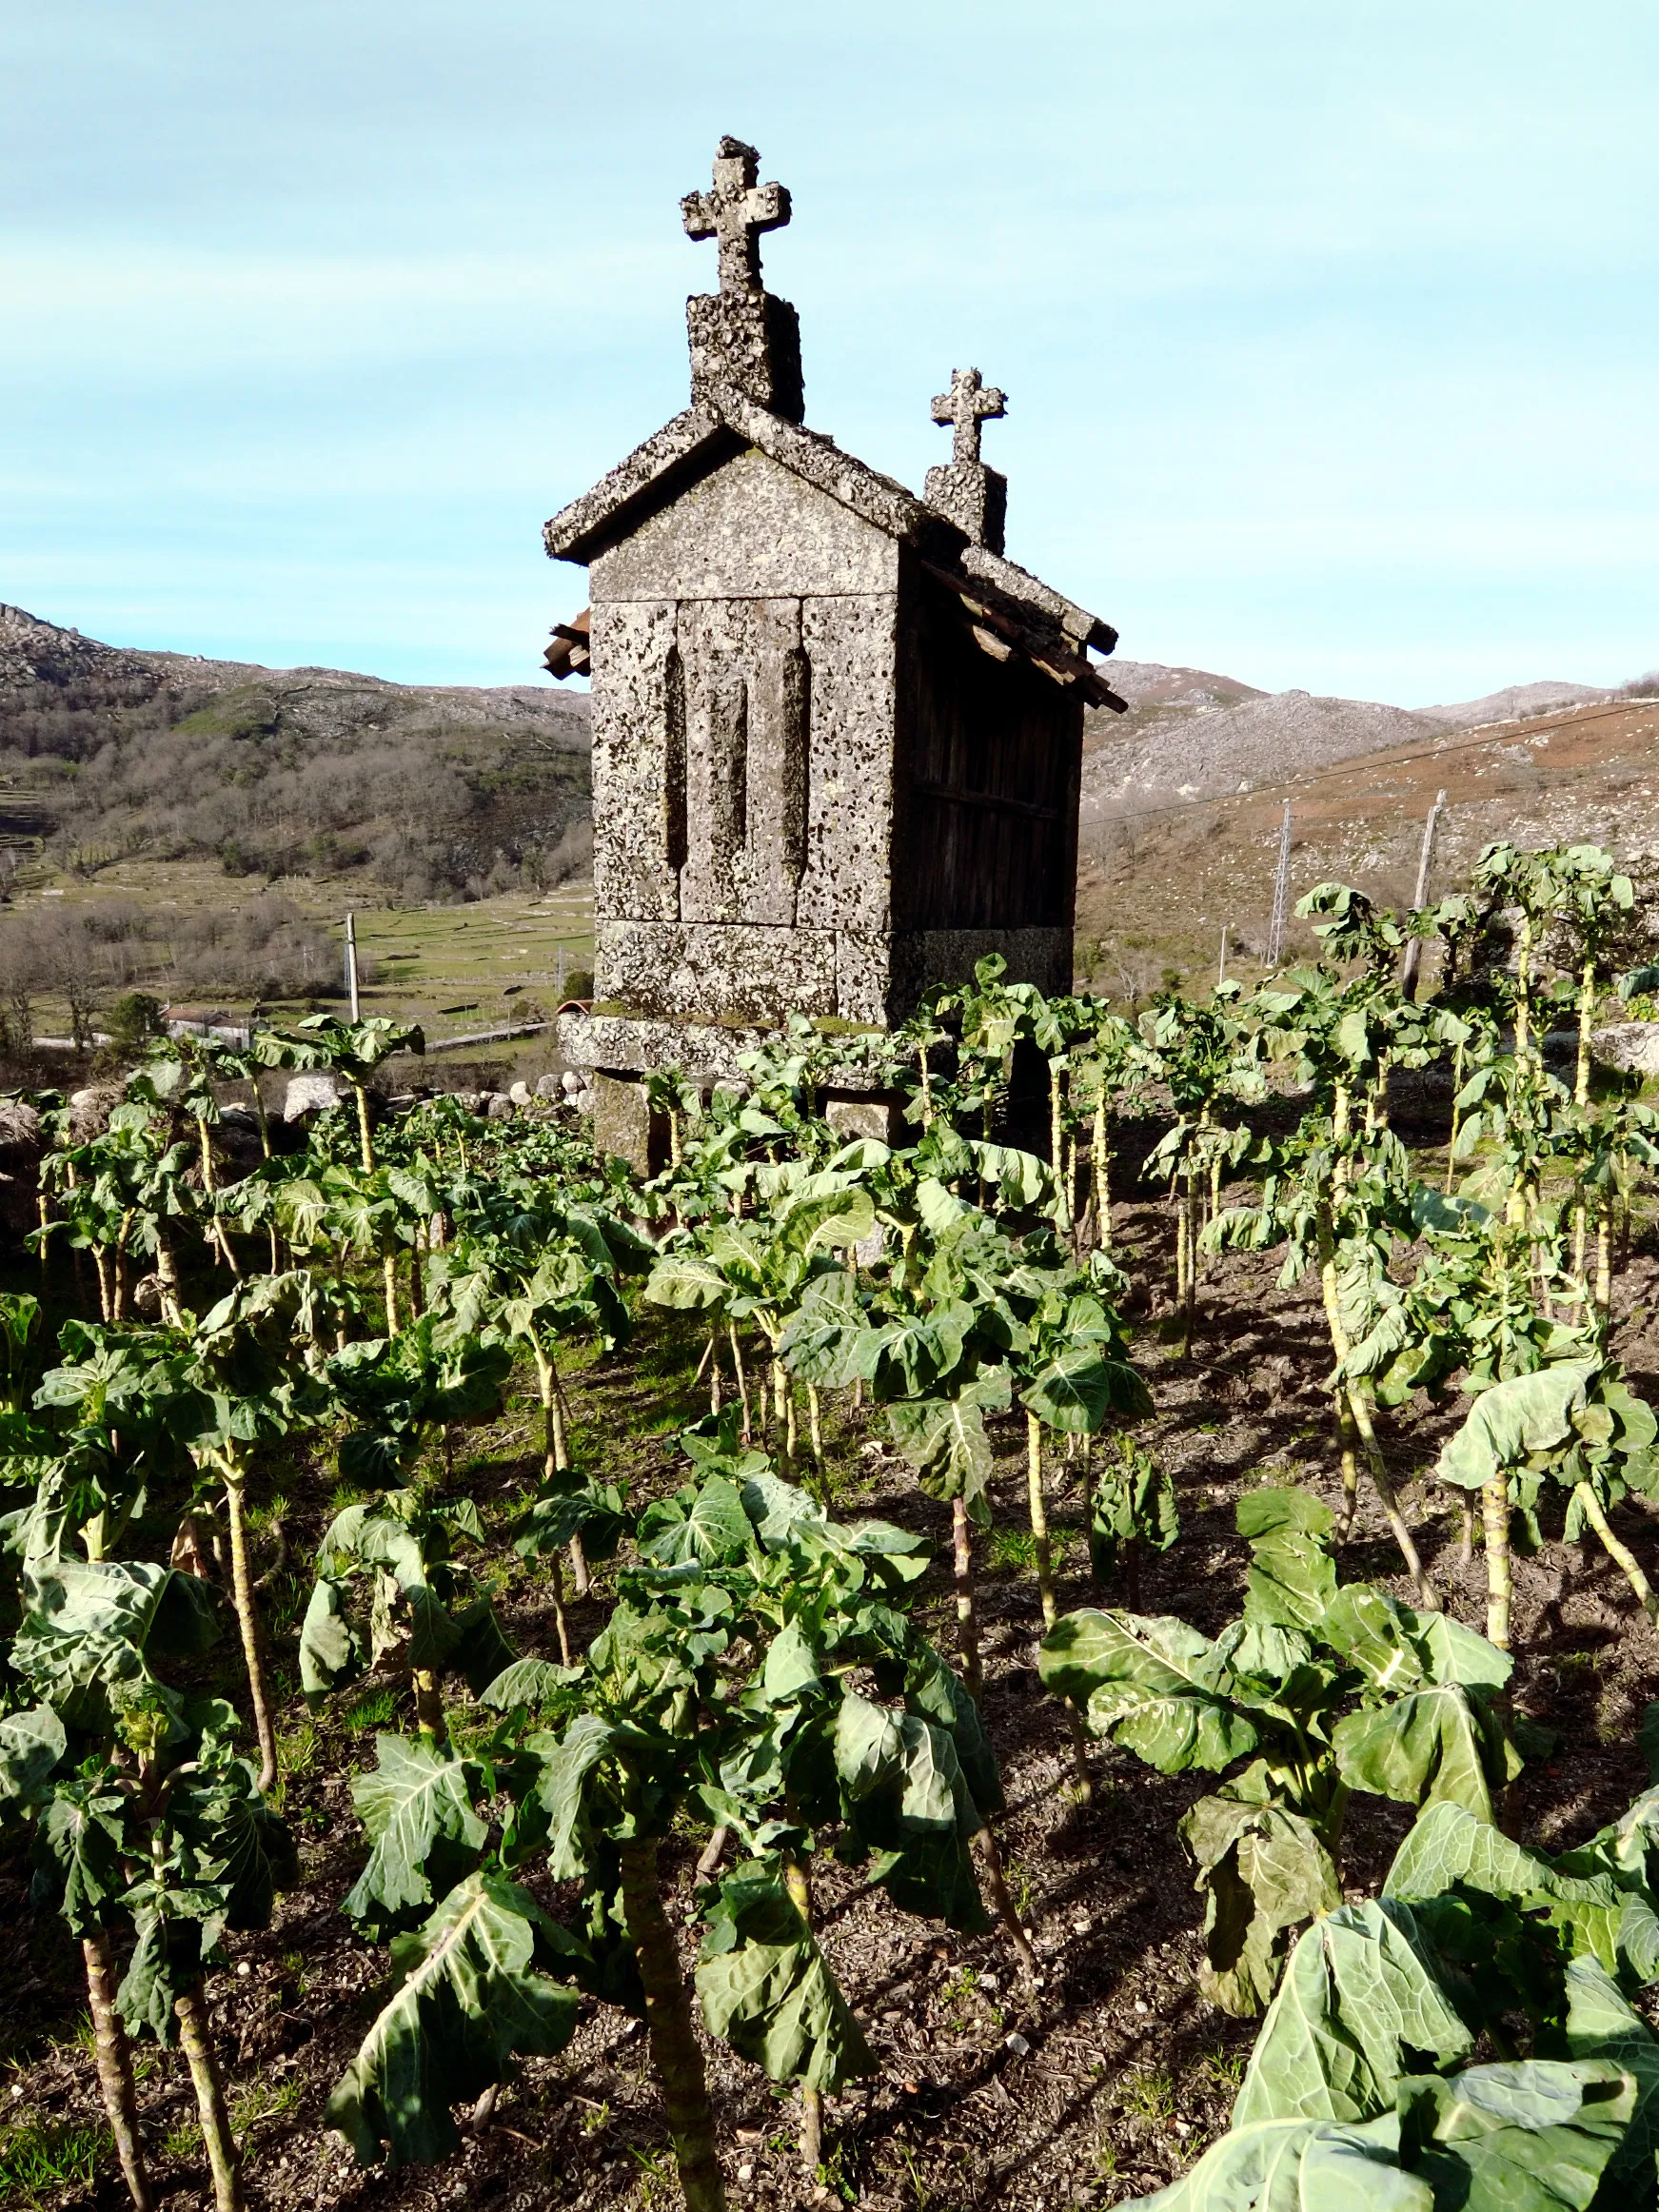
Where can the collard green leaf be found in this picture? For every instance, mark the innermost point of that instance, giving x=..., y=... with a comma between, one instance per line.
x=1297, y=2165
x=820, y=1342
x=470, y=1996
x=1156, y=1686
x=1600, y=2025
x=707, y=1527
x=1263, y=1870
x=1293, y=1577
x=1076, y=1390
x=331, y=1651
x=1511, y=1420
x=1359, y=2001
x=944, y=1438
x=229, y=1825
x=1431, y=1747
x=686, y=1279
x=79, y=1842
x=32, y=1743
x=415, y=1807
x=1450, y=1847
x=1536, y=2136
x=765, y=1986
x=792, y=1666
x=934, y=1690
x=906, y=1798
x=176, y=1928
x=528, y=1681
x=563, y=1791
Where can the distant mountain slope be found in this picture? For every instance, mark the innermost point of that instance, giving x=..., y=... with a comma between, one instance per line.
x=1518, y=699
x=427, y=791
x=1155, y=883
x=1199, y=751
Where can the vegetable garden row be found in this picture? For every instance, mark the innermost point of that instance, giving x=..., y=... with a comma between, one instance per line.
x=764, y=1694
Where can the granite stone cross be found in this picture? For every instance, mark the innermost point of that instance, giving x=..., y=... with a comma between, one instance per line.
x=736, y=210
x=967, y=405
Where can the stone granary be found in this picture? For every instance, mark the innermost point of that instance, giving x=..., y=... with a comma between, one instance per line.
x=836, y=734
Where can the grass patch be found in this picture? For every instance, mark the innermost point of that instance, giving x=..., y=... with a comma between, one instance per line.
x=1010, y=1550
x=1150, y=2094
x=182, y=2142
x=38, y=2159
x=375, y=1708
x=265, y=2100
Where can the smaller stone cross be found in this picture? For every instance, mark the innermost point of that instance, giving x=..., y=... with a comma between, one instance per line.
x=736, y=210
x=967, y=405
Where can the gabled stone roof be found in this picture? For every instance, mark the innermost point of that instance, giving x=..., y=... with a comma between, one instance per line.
x=724, y=422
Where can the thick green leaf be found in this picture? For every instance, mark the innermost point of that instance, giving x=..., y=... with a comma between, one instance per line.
x=1293, y=1577
x=1297, y=2165
x=765, y=1988
x=1358, y=2003
x=906, y=1798
x=686, y=1279
x=791, y=1665
x=528, y=1681
x=1156, y=1686
x=1600, y=2025
x=707, y=1529
x=1263, y=1871
x=331, y=1651
x=79, y=1844
x=469, y=1997
x=944, y=1437
x=176, y=1929
x=31, y=1745
x=563, y=1792
x=1431, y=1747
x=1532, y=2137
x=820, y=1341
x=1448, y=1846
x=1075, y=1391
x=415, y=1807
x=934, y=1690
x=1511, y=1420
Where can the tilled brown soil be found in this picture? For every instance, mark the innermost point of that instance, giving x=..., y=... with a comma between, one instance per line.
x=1104, y=2082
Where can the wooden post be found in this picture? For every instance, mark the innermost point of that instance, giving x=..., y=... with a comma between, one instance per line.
x=351, y=964
x=1221, y=969
x=1413, y=956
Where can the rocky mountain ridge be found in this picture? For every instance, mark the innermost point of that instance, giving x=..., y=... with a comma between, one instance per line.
x=1189, y=735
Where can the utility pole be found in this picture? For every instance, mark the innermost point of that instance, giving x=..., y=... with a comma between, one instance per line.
x=1412, y=958
x=1275, y=939
x=351, y=962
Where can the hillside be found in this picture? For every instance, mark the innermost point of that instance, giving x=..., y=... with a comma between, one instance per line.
x=1158, y=881
x=113, y=756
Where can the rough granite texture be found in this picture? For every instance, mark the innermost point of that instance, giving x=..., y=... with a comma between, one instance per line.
x=837, y=735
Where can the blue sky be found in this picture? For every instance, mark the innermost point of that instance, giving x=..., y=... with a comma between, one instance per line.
x=1330, y=333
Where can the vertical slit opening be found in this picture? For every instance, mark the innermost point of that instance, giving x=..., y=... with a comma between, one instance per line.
x=675, y=842
x=796, y=762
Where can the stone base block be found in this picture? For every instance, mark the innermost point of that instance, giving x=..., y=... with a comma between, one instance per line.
x=706, y=1053
x=880, y=1115
x=623, y=1124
